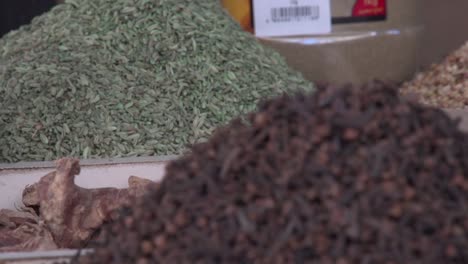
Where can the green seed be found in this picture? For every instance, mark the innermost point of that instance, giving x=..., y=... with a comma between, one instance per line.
x=44, y=139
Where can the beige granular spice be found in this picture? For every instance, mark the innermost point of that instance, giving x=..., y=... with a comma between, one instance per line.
x=444, y=85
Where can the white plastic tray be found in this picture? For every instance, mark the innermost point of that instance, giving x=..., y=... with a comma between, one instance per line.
x=94, y=174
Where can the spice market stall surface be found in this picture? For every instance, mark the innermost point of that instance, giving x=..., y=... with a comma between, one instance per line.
x=94, y=174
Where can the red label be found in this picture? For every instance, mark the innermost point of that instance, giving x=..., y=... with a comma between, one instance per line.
x=369, y=8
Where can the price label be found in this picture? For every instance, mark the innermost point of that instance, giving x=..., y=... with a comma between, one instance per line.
x=291, y=17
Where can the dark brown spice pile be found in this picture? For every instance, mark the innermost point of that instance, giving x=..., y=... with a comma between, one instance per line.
x=342, y=176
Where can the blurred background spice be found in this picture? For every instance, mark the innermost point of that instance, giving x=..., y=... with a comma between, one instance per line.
x=445, y=84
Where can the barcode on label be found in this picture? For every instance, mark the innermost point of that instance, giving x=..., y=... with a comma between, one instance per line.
x=287, y=14
x=291, y=17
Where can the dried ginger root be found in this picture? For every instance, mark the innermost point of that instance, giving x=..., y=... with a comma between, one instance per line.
x=23, y=231
x=71, y=213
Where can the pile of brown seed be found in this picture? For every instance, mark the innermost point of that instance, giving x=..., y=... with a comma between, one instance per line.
x=343, y=176
x=445, y=84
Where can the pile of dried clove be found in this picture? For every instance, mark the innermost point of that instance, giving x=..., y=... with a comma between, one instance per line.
x=343, y=176
x=445, y=84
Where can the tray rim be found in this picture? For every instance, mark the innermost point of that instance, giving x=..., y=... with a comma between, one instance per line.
x=38, y=255
x=87, y=162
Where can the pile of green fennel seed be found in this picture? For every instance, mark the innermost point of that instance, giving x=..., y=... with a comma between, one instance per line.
x=120, y=78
